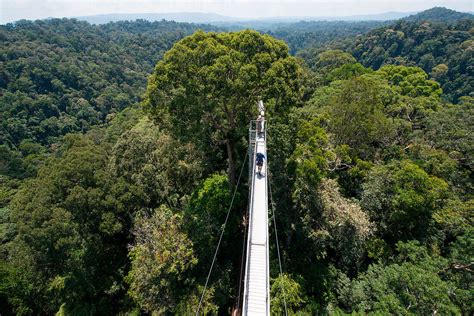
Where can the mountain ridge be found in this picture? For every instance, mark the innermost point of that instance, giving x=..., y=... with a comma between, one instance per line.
x=201, y=17
x=440, y=14
x=435, y=13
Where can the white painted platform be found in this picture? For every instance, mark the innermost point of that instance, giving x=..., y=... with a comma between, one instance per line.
x=256, y=289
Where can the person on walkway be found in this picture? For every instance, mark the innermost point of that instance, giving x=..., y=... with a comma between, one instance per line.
x=262, y=123
x=259, y=125
x=259, y=162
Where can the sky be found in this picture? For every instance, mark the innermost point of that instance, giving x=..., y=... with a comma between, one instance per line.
x=13, y=10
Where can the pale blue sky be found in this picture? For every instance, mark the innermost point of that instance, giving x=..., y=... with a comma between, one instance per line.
x=12, y=10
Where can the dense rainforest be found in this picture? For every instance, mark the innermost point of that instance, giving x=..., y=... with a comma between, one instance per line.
x=439, y=41
x=310, y=34
x=121, y=146
x=65, y=76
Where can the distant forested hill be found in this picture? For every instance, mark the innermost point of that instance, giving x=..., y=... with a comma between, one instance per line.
x=61, y=76
x=445, y=51
x=438, y=14
x=316, y=33
x=443, y=48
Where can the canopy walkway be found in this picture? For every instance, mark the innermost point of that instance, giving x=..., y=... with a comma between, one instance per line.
x=256, y=300
x=256, y=292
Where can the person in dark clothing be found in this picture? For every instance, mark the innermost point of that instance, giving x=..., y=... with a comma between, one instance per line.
x=259, y=162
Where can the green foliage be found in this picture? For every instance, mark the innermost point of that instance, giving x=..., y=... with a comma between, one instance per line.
x=347, y=71
x=203, y=221
x=456, y=218
x=352, y=178
x=161, y=170
x=331, y=59
x=459, y=271
x=72, y=222
x=401, y=198
x=440, y=14
x=308, y=163
x=311, y=154
x=60, y=76
x=8, y=187
x=331, y=65
x=160, y=256
x=425, y=44
x=439, y=72
x=206, y=213
x=189, y=305
x=23, y=162
x=286, y=290
x=122, y=122
x=62, y=246
x=409, y=286
x=337, y=227
x=456, y=137
x=411, y=81
x=303, y=37
x=373, y=114
x=206, y=87
x=374, y=132
x=373, y=159
x=357, y=118
x=444, y=165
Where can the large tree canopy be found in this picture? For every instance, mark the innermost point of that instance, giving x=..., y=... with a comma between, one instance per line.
x=206, y=87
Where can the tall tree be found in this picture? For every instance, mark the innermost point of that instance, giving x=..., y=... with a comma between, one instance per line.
x=357, y=118
x=206, y=87
x=401, y=198
x=161, y=255
x=68, y=235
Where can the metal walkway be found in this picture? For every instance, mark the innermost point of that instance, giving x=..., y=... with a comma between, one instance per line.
x=256, y=300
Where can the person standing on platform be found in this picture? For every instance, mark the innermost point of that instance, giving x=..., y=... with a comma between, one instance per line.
x=259, y=125
x=259, y=162
x=262, y=123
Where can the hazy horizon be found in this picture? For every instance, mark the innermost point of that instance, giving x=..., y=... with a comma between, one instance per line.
x=14, y=10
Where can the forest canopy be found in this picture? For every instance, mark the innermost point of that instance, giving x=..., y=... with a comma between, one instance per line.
x=114, y=189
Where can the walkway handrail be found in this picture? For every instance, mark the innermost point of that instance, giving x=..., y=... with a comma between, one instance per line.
x=249, y=234
x=256, y=288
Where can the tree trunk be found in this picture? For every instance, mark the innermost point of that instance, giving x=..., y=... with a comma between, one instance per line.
x=231, y=162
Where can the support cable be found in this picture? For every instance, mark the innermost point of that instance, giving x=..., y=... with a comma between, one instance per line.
x=222, y=234
x=276, y=233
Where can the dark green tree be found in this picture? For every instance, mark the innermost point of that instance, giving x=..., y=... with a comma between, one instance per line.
x=161, y=255
x=411, y=285
x=401, y=198
x=66, y=226
x=357, y=116
x=206, y=88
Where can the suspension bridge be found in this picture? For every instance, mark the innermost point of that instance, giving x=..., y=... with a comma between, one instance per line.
x=256, y=300
x=256, y=285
